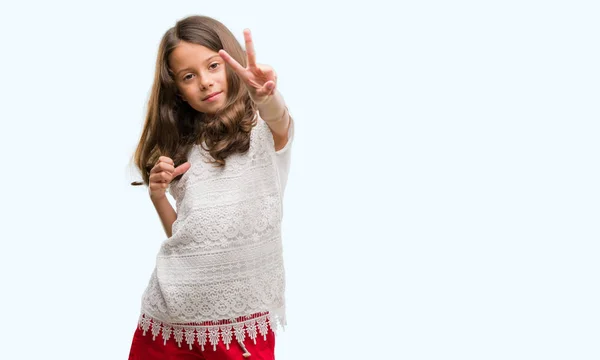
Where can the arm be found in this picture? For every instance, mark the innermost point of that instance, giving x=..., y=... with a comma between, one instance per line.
x=160, y=176
x=261, y=82
x=276, y=115
x=166, y=213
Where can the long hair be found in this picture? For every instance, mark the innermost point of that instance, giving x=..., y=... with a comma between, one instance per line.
x=172, y=126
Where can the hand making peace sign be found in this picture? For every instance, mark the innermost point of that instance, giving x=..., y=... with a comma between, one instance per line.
x=260, y=80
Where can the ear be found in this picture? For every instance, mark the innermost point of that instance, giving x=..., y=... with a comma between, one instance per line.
x=181, y=97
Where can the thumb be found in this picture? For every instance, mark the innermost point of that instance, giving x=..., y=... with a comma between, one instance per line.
x=181, y=169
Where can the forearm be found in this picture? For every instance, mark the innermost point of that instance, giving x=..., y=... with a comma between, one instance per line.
x=275, y=114
x=273, y=109
x=166, y=213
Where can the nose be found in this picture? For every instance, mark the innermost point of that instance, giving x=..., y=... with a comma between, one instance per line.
x=205, y=82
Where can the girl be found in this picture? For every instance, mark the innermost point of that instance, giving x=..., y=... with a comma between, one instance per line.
x=217, y=136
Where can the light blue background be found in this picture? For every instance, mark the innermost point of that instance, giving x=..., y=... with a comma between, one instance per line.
x=443, y=201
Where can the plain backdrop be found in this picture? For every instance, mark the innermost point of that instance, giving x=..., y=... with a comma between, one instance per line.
x=443, y=200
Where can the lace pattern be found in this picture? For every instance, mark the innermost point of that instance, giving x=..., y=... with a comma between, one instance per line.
x=224, y=259
x=210, y=333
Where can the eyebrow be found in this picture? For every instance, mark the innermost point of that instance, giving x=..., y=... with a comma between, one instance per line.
x=205, y=61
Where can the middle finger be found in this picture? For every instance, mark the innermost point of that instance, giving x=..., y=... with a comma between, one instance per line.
x=250, y=48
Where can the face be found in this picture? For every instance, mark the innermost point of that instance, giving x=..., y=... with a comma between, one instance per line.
x=200, y=76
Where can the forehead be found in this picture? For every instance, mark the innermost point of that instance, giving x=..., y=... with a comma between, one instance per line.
x=188, y=54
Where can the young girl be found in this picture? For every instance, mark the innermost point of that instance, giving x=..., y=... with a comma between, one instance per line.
x=217, y=136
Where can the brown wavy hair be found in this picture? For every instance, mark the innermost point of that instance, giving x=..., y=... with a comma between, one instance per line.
x=172, y=126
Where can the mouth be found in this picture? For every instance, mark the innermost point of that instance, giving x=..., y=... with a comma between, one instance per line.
x=212, y=96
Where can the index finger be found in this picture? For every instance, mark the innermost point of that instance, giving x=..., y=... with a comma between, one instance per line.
x=239, y=69
x=250, y=52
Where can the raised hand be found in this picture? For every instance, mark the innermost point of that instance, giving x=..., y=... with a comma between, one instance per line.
x=161, y=175
x=260, y=80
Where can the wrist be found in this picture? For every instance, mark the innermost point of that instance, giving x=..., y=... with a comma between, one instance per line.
x=158, y=196
x=273, y=108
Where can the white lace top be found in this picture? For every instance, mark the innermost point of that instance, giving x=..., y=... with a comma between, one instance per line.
x=221, y=275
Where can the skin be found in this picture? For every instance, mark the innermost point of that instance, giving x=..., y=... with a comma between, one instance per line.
x=261, y=82
x=198, y=73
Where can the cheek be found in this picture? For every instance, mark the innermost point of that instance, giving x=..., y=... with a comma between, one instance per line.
x=222, y=78
x=188, y=92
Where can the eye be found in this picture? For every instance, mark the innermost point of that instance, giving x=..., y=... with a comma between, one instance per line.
x=188, y=77
x=214, y=65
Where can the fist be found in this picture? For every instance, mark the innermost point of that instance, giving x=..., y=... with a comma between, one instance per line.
x=161, y=175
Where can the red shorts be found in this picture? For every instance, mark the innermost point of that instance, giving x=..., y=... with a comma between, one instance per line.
x=143, y=347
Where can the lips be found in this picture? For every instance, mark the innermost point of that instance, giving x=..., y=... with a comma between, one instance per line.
x=212, y=95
